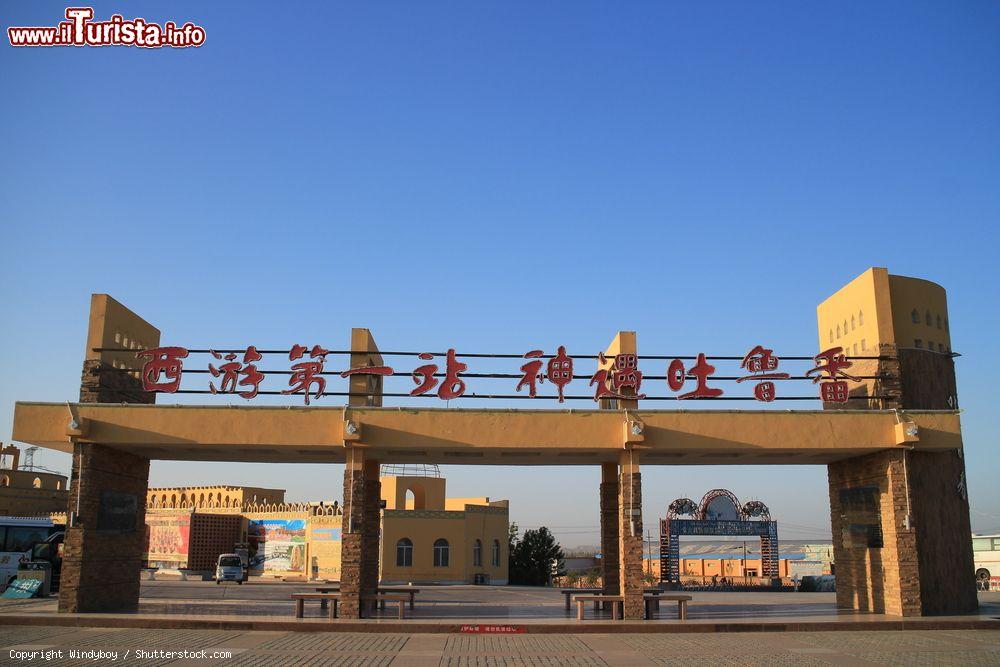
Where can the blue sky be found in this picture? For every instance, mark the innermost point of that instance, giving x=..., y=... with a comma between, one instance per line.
x=500, y=177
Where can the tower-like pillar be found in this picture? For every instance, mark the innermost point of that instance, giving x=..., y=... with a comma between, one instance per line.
x=361, y=527
x=900, y=517
x=610, y=563
x=624, y=342
x=630, y=575
x=106, y=531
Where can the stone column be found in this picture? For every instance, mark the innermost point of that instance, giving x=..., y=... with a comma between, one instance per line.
x=625, y=343
x=360, y=549
x=359, y=569
x=924, y=565
x=103, y=550
x=371, y=530
x=610, y=562
x=630, y=572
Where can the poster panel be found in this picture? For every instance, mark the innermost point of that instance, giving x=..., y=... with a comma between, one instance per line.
x=278, y=545
x=325, y=542
x=169, y=540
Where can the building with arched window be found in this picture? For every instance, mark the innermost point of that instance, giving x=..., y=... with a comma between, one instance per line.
x=29, y=492
x=430, y=538
x=426, y=537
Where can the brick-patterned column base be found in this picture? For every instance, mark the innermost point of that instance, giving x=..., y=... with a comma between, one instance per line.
x=610, y=564
x=371, y=529
x=359, y=570
x=925, y=565
x=877, y=579
x=941, y=519
x=351, y=545
x=102, y=554
x=630, y=573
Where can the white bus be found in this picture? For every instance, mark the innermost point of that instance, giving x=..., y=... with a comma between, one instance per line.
x=986, y=554
x=18, y=536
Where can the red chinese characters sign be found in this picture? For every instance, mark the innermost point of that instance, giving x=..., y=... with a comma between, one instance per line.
x=829, y=373
x=616, y=378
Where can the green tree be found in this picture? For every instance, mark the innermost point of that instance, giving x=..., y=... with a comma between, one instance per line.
x=534, y=558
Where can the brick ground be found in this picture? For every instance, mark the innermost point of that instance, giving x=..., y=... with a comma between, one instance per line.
x=277, y=649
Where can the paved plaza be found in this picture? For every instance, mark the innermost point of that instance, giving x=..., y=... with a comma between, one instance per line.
x=435, y=639
x=268, y=601
x=278, y=649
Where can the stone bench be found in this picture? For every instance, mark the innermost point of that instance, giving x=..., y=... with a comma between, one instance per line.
x=370, y=601
x=652, y=603
x=412, y=592
x=300, y=599
x=569, y=592
x=617, y=602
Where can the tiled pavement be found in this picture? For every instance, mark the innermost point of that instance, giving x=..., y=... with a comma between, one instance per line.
x=313, y=649
x=268, y=602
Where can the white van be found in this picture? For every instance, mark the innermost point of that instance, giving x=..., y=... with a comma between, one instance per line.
x=230, y=567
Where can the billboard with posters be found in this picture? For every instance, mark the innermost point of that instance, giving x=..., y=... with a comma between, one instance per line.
x=168, y=541
x=325, y=546
x=277, y=545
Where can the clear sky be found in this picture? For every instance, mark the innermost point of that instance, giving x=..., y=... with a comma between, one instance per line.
x=503, y=176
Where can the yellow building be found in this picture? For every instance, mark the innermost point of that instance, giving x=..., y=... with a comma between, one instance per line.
x=430, y=538
x=426, y=537
x=29, y=492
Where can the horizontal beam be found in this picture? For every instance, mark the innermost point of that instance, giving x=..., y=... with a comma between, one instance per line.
x=480, y=437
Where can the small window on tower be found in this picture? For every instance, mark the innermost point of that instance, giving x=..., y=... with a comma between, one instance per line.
x=855, y=349
x=831, y=335
x=930, y=345
x=861, y=318
x=941, y=347
x=927, y=318
x=917, y=342
x=915, y=316
x=863, y=346
x=838, y=331
x=853, y=323
x=939, y=321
